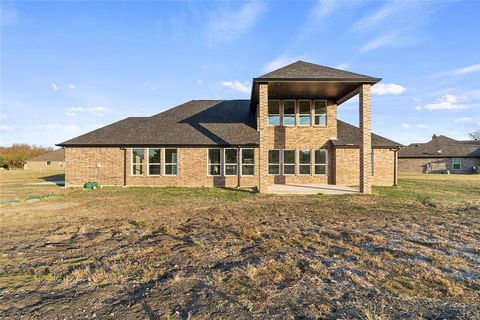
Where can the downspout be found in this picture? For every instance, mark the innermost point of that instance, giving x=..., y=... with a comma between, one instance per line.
x=124, y=166
x=395, y=167
x=238, y=167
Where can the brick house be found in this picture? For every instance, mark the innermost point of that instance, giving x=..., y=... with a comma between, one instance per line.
x=54, y=160
x=439, y=155
x=287, y=133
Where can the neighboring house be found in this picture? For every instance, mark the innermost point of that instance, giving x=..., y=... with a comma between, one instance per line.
x=439, y=155
x=287, y=133
x=53, y=160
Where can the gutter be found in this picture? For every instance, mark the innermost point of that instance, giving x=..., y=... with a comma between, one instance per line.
x=395, y=166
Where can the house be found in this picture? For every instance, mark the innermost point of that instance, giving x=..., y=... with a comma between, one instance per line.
x=53, y=160
x=439, y=155
x=287, y=133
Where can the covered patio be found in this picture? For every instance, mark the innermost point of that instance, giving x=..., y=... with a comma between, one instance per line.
x=310, y=188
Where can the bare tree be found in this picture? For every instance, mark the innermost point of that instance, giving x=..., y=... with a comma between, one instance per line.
x=475, y=135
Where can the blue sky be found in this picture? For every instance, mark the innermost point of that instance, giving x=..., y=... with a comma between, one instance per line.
x=70, y=67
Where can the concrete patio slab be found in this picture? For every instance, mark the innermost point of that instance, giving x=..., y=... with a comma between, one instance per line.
x=313, y=188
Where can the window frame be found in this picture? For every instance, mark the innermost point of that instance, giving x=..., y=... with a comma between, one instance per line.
x=289, y=164
x=275, y=114
x=165, y=163
x=309, y=114
x=320, y=164
x=214, y=164
x=247, y=164
x=315, y=114
x=274, y=164
x=304, y=164
x=225, y=164
x=454, y=163
x=132, y=163
x=159, y=164
x=290, y=114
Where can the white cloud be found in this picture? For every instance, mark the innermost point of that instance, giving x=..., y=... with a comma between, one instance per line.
x=278, y=62
x=5, y=128
x=57, y=126
x=464, y=120
x=388, y=88
x=71, y=86
x=200, y=81
x=228, y=25
x=370, y=21
x=237, y=86
x=378, y=42
x=343, y=66
x=98, y=111
x=55, y=87
x=406, y=125
x=418, y=108
x=422, y=126
x=466, y=70
x=446, y=102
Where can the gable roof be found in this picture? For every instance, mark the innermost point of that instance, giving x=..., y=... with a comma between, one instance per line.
x=349, y=135
x=199, y=123
x=302, y=70
x=442, y=147
x=56, y=155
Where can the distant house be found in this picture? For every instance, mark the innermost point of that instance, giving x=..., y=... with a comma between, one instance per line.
x=439, y=155
x=50, y=160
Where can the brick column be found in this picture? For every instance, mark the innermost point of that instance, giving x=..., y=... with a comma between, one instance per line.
x=365, y=140
x=262, y=125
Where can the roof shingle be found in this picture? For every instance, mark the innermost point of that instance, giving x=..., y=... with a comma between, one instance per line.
x=442, y=147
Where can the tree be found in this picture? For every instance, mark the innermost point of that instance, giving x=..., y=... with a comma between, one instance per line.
x=475, y=135
x=16, y=155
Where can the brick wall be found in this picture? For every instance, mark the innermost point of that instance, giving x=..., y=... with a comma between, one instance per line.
x=365, y=139
x=42, y=165
x=437, y=165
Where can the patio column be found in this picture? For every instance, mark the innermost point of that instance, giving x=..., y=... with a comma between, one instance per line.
x=365, y=140
x=262, y=126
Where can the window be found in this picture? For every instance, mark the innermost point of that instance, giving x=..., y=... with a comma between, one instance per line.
x=457, y=163
x=288, y=162
x=137, y=161
x=49, y=163
x=274, y=162
x=289, y=112
x=304, y=112
x=231, y=162
x=248, y=162
x=171, y=162
x=274, y=112
x=320, y=162
x=320, y=112
x=214, y=162
x=154, y=162
x=304, y=159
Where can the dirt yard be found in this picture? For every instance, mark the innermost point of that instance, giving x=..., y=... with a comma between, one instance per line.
x=408, y=252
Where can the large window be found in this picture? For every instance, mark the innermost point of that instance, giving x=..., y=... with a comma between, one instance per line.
x=305, y=162
x=274, y=112
x=138, y=156
x=214, y=162
x=274, y=162
x=320, y=162
x=171, y=162
x=457, y=163
x=288, y=162
x=304, y=113
x=320, y=112
x=154, y=161
x=248, y=162
x=231, y=162
x=289, y=112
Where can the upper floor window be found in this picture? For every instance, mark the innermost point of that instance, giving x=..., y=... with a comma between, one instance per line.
x=305, y=162
x=288, y=162
x=320, y=112
x=231, y=162
x=171, y=162
x=274, y=162
x=214, y=162
x=304, y=113
x=289, y=112
x=154, y=161
x=138, y=155
x=320, y=162
x=457, y=163
x=274, y=112
x=248, y=162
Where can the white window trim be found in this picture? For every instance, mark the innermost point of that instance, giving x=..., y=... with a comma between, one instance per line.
x=247, y=164
x=314, y=114
x=315, y=163
x=304, y=164
x=132, y=163
x=148, y=163
x=294, y=162
x=274, y=164
x=300, y=115
x=166, y=164
x=274, y=114
x=225, y=164
x=459, y=163
x=209, y=164
x=294, y=113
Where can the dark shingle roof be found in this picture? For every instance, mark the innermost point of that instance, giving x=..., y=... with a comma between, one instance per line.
x=302, y=70
x=442, y=147
x=56, y=155
x=349, y=135
x=197, y=122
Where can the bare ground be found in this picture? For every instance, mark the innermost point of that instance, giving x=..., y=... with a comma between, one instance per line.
x=403, y=253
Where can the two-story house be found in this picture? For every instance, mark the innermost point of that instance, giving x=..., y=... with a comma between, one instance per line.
x=287, y=133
